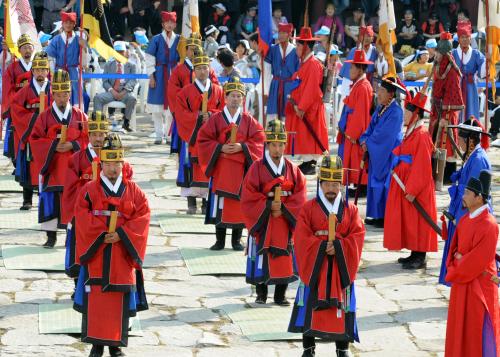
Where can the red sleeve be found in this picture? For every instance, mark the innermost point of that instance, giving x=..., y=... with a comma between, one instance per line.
x=7, y=87
x=174, y=86
x=72, y=186
x=420, y=168
x=209, y=147
x=474, y=262
x=254, y=203
x=351, y=245
x=253, y=147
x=294, y=203
x=22, y=118
x=309, y=249
x=134, y=228
x=41, y=145
x=359, y=120
x=186, y=114
x=213, y=76
x=309, y=86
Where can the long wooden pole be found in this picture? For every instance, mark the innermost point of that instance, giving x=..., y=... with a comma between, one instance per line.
x=487, y=66
x=80, y=58
x=306, y=14
x=263, y=77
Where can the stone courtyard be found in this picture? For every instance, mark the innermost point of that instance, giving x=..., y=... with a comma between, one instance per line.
x=400, y=313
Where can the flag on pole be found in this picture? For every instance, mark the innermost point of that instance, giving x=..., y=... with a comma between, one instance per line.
x=488, y=20
x=387, y=34
x=190, y=24
x=94, y=22
x=19, y=20
x=265, y=21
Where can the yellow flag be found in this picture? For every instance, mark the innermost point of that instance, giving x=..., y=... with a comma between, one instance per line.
x=491, y=26
x=190, y=24
x=387, y=34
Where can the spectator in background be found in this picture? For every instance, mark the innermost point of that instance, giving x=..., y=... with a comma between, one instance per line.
x=352, y=25
x=141, y=13
x=253, y=58
x=443, y=9
x=420, y=68
x=226, y=59
x=408, y=32
x=120, y=90
x=432, y=28
x=118, y=12
x=431, y=45
x=37, y=8
x=52, y=10
x=277, y=19
x=247, y=23
x=210, y=45
x=320, y=46
x=327, y=19
x=222, y=21
x=241, y=64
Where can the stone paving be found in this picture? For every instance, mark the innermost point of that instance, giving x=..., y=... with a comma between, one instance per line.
x=400, y=313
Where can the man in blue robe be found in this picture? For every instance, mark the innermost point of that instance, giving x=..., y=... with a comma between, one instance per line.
x=283, y=62
x=381, y=137
x=471, y=63
x=473, y=140
x=64, y=50
x=161, y=58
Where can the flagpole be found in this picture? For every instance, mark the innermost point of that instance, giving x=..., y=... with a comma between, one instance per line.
x=4, y=54
x=80, y=67
x=262, y=76
x=487, y=66
x=306, y=15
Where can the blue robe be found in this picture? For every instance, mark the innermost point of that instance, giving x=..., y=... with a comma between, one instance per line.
x=69, y=62
x=476, y=162
x=158, y=48
x=282, y=71
x=470, y=90
x=381, y=137
x=346, y=67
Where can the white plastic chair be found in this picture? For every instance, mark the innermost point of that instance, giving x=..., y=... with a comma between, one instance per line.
x=119, y=105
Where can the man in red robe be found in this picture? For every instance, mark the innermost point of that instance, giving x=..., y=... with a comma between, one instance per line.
x=228, y=143
x=58, y=133
x=329, y=238
x=355, y=119
x=404, y=227
x=473, y=326
x=112, y=222
x=83, y=167
x=25, y=109
x=447, y=101
x=16, y=76
x=274, y=191
x=305, y=111
x=194, y=105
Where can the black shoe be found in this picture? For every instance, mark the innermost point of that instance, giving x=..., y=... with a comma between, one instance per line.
x=283, y=302
x=157, y=142
x=204, y=206
x=378, y=223
x=26, y=206
x=308, y=168
x=309, y=352
x=126, y=126
x=191, y=205
x=51, y=240
x=115, y=351
x=405, y=260
x=414, y=264
x=220, y=235
x=343, y=353
x=280, y=295
x=449, y=169
x=370, y=221
x=96, y=351
x=236, y=239
x=261, y=291
x=260, y=300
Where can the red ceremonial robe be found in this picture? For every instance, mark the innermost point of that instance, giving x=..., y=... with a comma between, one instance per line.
x=473, y=327
x=404, y=227
x=227, y=170
x=79, y=172
x=51, y=164
x=189, y=122
x=16, y=76
x=447, y=99
x=308, y=97
x=181, y=76
x=272, y=235
x=326, y=315
x=110, y=268
x=25, y=110
x=358, y=104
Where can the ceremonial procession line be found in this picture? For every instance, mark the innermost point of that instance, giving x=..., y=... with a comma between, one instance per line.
x=193, y=312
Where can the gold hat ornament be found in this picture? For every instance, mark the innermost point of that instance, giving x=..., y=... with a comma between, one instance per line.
x=331, y=169
x=112, y=149
x=234, y=84
x=40, y=61
x=24, y=39
x=275, y=132
x=194, y=40
x=98, y=123
x=61, y=81
x=201, y=59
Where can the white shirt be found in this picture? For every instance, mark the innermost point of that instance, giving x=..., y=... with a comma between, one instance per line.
x=91, y=150
x=169, y=40
x=27, y=66
x=62, y=116
x=232, y=119
x=39, y=88
x=113, y=188
x=200, y=86
x=478, y=211
x=64, y=37
x=332, y=208
x=276, y=169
